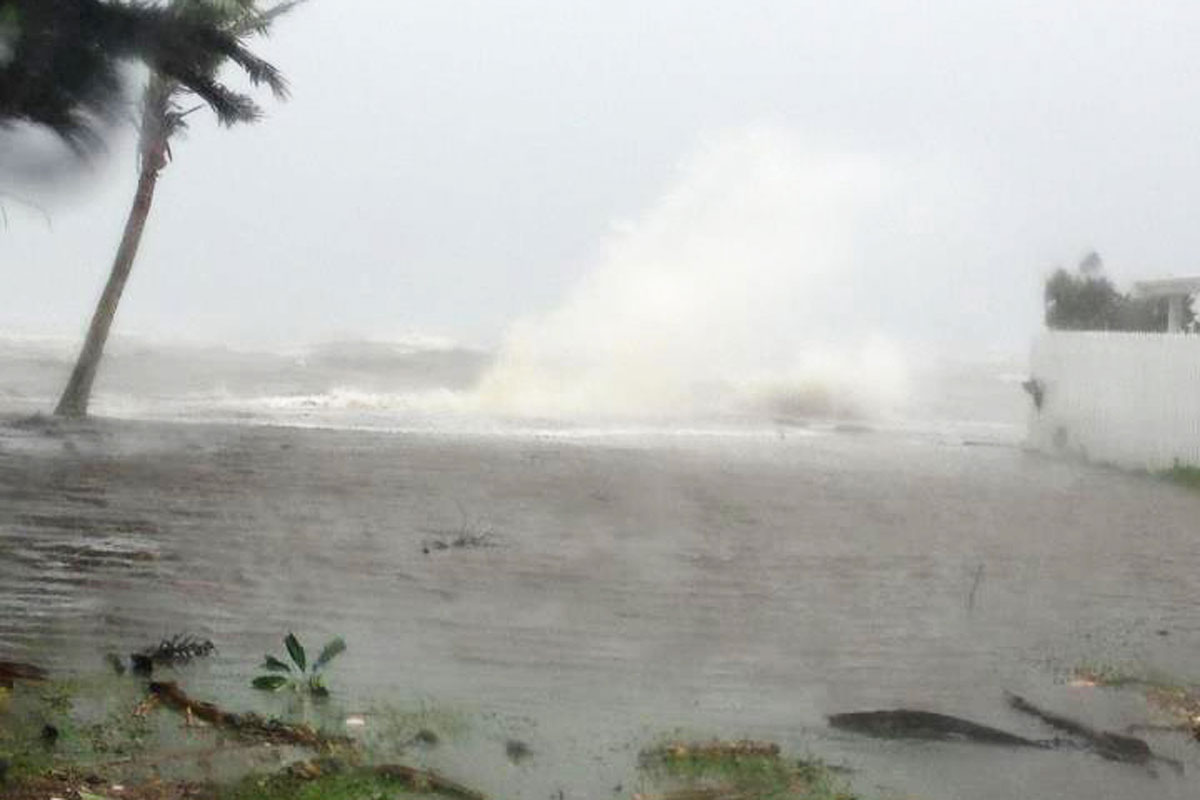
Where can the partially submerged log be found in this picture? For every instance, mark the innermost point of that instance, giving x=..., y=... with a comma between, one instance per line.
x=910, y=724
x=256, y=728
x=929, y=726
x=12, y=671
x=1106, y=744
x=248, y=725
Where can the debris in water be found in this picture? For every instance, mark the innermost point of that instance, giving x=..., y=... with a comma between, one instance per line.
x=463, y=541
x=114, y=661
x=179, y=649
x=1107, y=745
x=426, y=737
x=11, y=671
x=248, y=725
x=517, y=751
x=904, y=723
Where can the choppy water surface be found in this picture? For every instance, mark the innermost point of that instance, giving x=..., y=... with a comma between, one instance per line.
x=728, y=585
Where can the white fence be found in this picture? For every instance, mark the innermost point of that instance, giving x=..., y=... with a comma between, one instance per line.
x=1131, y=399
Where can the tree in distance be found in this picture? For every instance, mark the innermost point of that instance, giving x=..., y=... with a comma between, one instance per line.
x=1086, y=300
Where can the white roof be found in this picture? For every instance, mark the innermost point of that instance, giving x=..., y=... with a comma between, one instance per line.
x=1166, y=287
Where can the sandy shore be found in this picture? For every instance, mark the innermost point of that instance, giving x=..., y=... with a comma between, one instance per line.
x=587, y=592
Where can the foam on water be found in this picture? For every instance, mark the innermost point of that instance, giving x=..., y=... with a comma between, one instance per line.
x=153, y=383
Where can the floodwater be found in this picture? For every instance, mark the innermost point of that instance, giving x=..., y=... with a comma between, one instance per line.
x=737, y=583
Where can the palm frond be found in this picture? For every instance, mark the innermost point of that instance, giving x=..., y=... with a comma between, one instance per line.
x=230, y=107
x=65, y=66
x=221, y=33
x=259, y=23
x=258, y=70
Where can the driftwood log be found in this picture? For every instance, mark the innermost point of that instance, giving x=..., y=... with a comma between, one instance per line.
x=1111, y=746
x=906, y=723
x=12, y=671
x=254, y=727
x=926, y=725
x=247, y=725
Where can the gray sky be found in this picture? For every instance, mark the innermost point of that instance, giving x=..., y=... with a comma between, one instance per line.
x=449, y=168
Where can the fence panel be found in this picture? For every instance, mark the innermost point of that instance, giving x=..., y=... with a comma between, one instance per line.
x=1131, y=399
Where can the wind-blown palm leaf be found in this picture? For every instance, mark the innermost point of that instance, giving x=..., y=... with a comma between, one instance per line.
x=230, y=107
x=269, y=683
x=275, y=665
x=259, y=22
x=296, y=651
x=232, y=27
x=329, y=652
x=63, y=70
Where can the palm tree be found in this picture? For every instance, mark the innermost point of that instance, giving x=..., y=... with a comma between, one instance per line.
x=61, y=61
x=162, y=117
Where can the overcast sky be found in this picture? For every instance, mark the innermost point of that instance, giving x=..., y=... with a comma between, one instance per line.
x=450, y=168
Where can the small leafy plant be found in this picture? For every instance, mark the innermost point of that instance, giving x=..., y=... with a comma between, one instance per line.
x=298, y=676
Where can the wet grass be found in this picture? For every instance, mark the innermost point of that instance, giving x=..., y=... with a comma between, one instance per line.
x=1106, y=675
x=108, y=730
x=348, y=785
x=736, y=771
x=70, y=723
x=1178, y=700
x=1183, y=475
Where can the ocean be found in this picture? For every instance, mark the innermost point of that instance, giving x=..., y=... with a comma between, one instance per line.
x=432, y=386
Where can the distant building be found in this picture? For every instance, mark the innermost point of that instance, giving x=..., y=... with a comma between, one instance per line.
x=1176, y=291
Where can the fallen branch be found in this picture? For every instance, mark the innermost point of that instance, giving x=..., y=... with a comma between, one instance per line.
x=1107, y=745
x=254, y=727
x=423, y=780
x=11, y=671
x=248, y=725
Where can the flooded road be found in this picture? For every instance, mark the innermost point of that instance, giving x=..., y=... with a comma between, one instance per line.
x=589, y=593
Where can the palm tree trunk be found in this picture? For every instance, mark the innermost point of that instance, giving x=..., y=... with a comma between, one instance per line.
x=74, y=400
x=153, y=152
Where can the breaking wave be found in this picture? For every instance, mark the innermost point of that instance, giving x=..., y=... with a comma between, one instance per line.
x=729, y=296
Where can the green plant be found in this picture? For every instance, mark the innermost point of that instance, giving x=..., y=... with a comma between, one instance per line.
x=1183, y=474
x=299, y=676
x=1086, y=300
